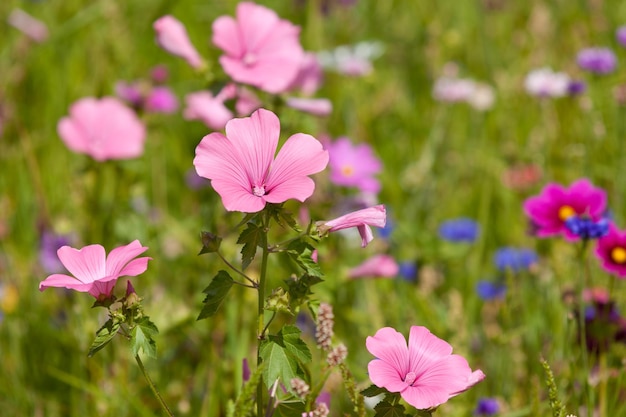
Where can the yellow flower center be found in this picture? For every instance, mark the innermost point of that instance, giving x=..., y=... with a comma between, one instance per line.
x=347, y=170
x=565, y=212
x=618, y=255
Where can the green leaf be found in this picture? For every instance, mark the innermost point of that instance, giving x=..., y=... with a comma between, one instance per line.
x=290, y=409
x=215, y=294
x=302, y=253
x=373, y=391
x=210, y=243
x=250, y=238
x=386, y=409
x=141, y=337
x=289, y=335
x=283, y=217
x=283, y=355
x=104, y=335
x=300, y=287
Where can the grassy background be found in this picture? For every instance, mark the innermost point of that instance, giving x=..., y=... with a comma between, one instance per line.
x=441, y=161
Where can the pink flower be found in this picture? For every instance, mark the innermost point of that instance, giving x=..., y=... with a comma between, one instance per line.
x=549, y=210
x=314, y=106
x=378, y=266
x=210, y=110
x=28, y=25
x=161, y=100
x=247, y=102
x=103, y=129
x=260, y=48
x=244, y=171
x=426, y=373
x=611, y=250
x=354, y=165
x=172, y=36
x=93, y=272
x=309, y=76
x=361, y=219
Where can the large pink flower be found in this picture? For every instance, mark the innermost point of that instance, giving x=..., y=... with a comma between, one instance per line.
x=361, y=219
x=426, y=373
x=611, y=250
x=93, y=271
x=260, y=48
x=103, y=129
x=242, y=167
x=549, y=210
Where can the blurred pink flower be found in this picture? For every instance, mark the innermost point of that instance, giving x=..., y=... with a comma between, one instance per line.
x=210, y=110
x=549, y=210
x=353, y=165
x=260, y=48
x=378, y=266
x=314, y=106
x=247, y=102
x=544, y=82
x=161, y=100
x=172, y=36
x=425, y=373
x=244, y=171
x=103, y=129
x=361, y=219
x=94, y=272
x=309, y=76
x=611, y=250
x=28, y=25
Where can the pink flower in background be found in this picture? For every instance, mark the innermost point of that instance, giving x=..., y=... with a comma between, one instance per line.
x=244, y=170
x=378, y=266
x=314, y=106
x=309, y=76
x=28, y=25
x=361, y=219
x=210, y=110
x=161, y=100
x=247, y=102
x=260, y=48
x=353, y=165
x=172, y=36
x=425, y=373
x=93, y=271
x=549, y=210
x=611, y=250
x=103, y=129
x=544, y=82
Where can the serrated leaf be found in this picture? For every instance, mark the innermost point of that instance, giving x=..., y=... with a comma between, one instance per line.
x=282, y=355
x=386, y=409
x=289, y=336
x=141, y=337
x=215, y=294
x=300, y=287
x=250, y=238
x=290, y=409
x=284, y=217
x=210, y=243
x=373, y=391
x=104, y=335
x=302, y=253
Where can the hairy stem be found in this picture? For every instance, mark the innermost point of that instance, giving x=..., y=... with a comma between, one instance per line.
x=153, y=387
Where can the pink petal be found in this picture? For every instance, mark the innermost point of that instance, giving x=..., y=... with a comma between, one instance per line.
x=424, y=397
x=425, y=347
x=237, y=198
x=256, y=23
x=389, y=345
x=172, y=36
x=135, y=267
x=64, y=281
x=317, y=106
x=86, y=264
x=226, y=36
x=366, y=234
x=299, y=188
x=384, y=375
x=216, y=158
x=120, y=256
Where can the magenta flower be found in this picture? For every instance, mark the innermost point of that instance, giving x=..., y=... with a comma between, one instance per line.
x=161, y=100
x=549, y=210
x=208, y=109
x=260, y=48
x=172, y=36
x=103, y=129
x=378, y=266
x=425, y=373
x=354, y=165
x=244, y=171
x=361, y=219
x=611, y=250
x=94, y=272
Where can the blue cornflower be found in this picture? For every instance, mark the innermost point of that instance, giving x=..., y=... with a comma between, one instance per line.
x=514, y=259
x=459, y=230
x=408, y=270
x=488, y=290
x=487, y=407
x=586, y=228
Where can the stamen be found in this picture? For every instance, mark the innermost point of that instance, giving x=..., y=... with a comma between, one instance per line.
x=565, y=212
x=618, y=255
x=258, y=191
x=347, y=170
x=410, y=378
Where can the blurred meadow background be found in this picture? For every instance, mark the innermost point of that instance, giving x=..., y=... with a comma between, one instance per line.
x=442, y=158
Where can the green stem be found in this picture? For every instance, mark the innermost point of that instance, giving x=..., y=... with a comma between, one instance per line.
x=238, y=271
x=153, y=387
x=582, y=256
x=261, y=306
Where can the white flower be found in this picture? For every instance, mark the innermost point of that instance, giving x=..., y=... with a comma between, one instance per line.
x=544, y=82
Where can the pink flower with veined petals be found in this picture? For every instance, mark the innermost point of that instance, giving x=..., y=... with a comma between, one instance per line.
x=425, y=373
x=103, y=129
x=353, y=165
x=378, y=266
x=93, y=271
x=361, y=219
x=244, y=171
x=611, y=250
x=549, y=210
x=172, y=36
x=260, y=48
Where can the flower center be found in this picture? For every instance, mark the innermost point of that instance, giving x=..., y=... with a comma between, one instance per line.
x=410, y=378
x=258, y=191
x=618, y=255
x=347, y=170
x=249, y=59
x=565, y=212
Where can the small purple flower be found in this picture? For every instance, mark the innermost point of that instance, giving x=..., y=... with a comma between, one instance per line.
x=195, y=181
x=408, y=270
x=48, y=246
x=576, y=87
x=586, y=228
x=459, y=230
x=488, y=290
x=487, y=407
x=353, y=165
x=161, y=100
x=129, y=92
x=620, y=35
x=597, y=60
x=514, y=259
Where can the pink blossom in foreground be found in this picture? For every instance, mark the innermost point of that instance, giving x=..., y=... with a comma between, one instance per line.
x=425, y=373
x=611, y=250
x=94, y=272
x=549, y=210
x=210, y=110
x=354, y=165
x=378, y=266
x=260, y=48
x=361, y=219
x=103, y=129
x=314, y=106
x=246, y=172
x=172, y=36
